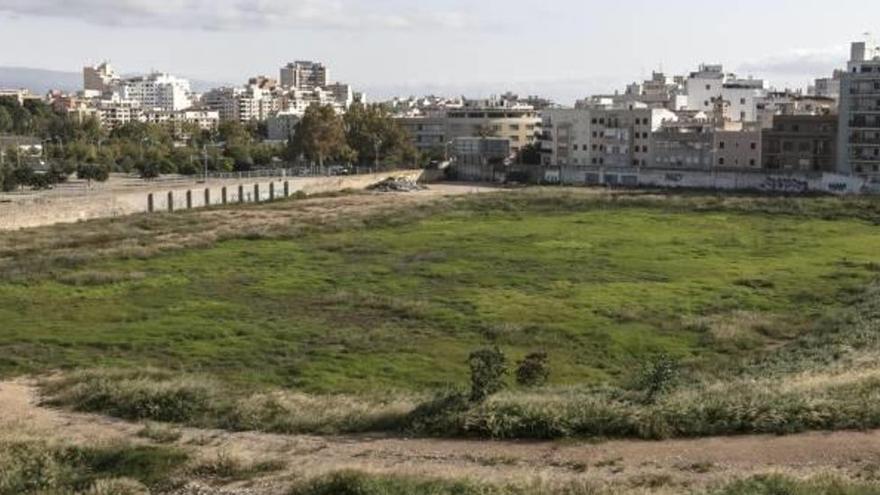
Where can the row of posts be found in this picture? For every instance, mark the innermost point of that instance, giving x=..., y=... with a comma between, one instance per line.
x=151, y=204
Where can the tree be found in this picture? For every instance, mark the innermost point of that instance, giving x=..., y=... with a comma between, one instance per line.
x=5, y=120
x=148, y=170
x=374, y=135
x=319, y=136
x=533, y=370
x=530, y=154
x=488, y=367
x=91, y=171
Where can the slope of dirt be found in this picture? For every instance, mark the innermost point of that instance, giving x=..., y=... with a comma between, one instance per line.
x=672, y=466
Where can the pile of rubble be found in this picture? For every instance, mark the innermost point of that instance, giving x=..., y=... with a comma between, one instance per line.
x=397, y=184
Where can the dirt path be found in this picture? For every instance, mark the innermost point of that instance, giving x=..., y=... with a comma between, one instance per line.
x=670, y=465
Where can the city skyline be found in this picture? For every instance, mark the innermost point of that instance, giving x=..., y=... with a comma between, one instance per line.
x=564, y=50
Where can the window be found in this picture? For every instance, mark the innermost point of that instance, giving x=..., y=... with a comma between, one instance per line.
x=754, y=146
x=752, y=162
x=708, y=87
x=721, y=144
x=721, y=161
x=742, y=101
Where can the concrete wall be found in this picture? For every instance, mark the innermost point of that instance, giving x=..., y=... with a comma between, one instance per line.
x=50, y=210
x=777, y=181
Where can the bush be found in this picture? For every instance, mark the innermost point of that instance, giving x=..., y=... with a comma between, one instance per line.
x=488, y=368
x=92, y=172
x=658, y=377
x=533, y=370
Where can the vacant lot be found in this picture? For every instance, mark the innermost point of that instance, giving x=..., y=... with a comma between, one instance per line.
x=399, y=299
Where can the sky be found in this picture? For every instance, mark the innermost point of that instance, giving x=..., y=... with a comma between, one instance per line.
x=564, y=49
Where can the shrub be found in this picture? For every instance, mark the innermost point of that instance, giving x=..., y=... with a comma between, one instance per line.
x=488, y=367
x=533, y=370
x=658, y=377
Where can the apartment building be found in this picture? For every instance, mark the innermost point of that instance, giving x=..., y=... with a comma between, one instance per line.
x=496, y=118
x=616, y=137
x=801, y=142
x=20, y=95
x=703, y=87
x=304, y=75
x=481, y=151
x=687, y=143
x=737, y=148
x=99, y=79
x=282, y=125
x=157, y=91
x=252, y=102
x=115, y=112
x=428, y=133
x=859, y=124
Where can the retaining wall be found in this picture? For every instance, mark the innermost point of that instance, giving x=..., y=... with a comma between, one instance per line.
x=39, y=211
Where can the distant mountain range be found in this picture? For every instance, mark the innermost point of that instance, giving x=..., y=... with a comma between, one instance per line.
x=40, y=81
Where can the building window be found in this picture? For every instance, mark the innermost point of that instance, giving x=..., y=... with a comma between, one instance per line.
x=754, y=146
x=721, y=161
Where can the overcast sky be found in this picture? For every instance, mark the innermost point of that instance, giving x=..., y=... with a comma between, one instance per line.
x=561, y=48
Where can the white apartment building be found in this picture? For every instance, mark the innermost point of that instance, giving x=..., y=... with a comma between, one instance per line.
x=115, y=112
x=859, y=129
x=740, y=99
x=157, y=90
x=205, y=120
x=703, y=87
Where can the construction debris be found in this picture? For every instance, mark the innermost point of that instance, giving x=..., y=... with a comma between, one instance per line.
x=397, y=184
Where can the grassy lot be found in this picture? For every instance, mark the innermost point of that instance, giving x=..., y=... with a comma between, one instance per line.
x=398, y=302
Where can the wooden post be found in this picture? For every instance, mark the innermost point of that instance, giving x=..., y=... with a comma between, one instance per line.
x=170, y=200
x=240, y=193
x=256, y=193
x=286, y=189
x=150, y=203
x=223, y=195
x=271, y=191
x=207, y=196
x=189, y=199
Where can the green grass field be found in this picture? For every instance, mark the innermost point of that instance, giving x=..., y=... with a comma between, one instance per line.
x=600, y=286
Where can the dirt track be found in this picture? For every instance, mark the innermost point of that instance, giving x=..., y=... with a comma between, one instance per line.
x=673, y=465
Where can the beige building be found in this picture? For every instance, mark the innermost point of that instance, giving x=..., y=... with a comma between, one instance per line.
x=737, y=149
x=518, y=123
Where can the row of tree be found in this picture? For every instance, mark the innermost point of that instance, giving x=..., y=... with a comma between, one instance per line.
x=365, y=134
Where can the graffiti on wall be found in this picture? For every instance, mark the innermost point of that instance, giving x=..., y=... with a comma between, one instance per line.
x=785, y=185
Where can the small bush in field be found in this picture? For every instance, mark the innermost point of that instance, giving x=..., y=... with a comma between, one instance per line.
x=658, y=377
x=533, y=370
x=488, y=368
